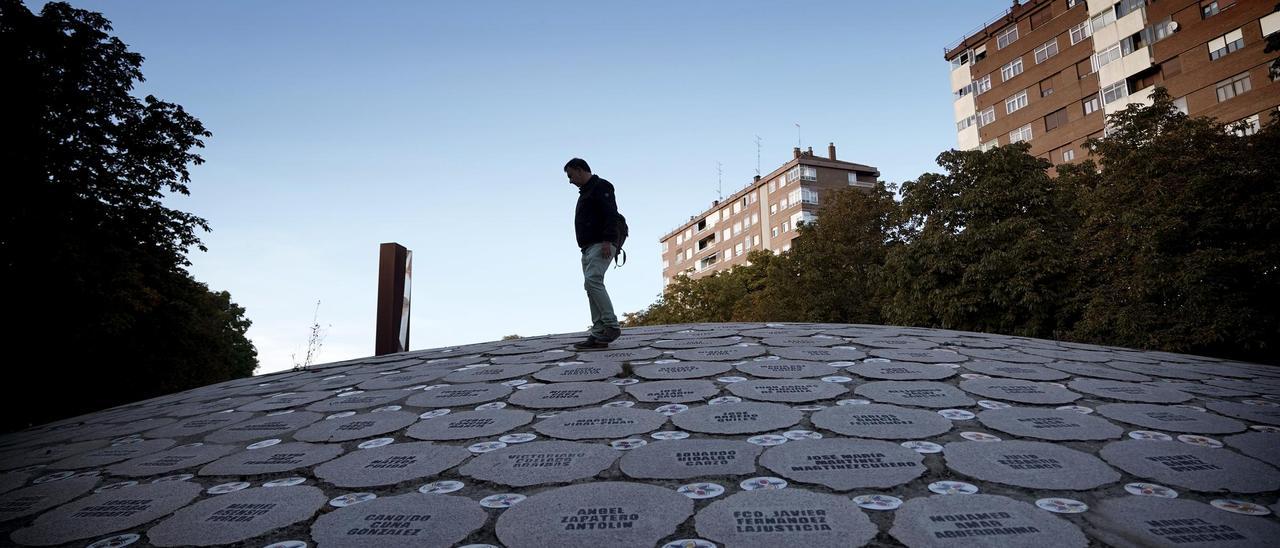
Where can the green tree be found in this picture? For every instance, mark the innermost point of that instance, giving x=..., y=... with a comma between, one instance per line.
x=106, y=312
x=1180, y=242
x=983, y=247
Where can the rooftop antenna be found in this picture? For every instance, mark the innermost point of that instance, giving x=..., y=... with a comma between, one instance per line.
x=757, y=155
x=799, y=144
x=719, y=181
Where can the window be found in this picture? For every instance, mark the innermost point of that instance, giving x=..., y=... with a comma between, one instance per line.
x=1225, y=44
x=708, y=261
x=773, y=209
x=737, y=228
x=1010, y=70
x=1115, y=92
x=965, y=123
x=1080, y=32
x=990, y=145
x=1105, y=56
x=982, y=85
x=679, y=239
x=1210, y=8
x=705, y=242
x=745, y=201
x=1055, y=119
x=1068, y=155
x=987, y=116
x=753, y=197
x=1171, y=68
x=702, y=224
x=757, y=240
x=724, y=214
x=1233, y=86
x=1180, y=104
x=1021, y=134
x=1103, y=19
x=688, y=233
x=782, y=204
x=1091, y=104
x=737, y=208
x=775, y=232
x=666, y=265
x=679, y=258
x=737, y=250
x=1125, y=7
x=1047, y=50
x=1016, y=102
x=1041, y=17
x=784, y=226
x=728, y=254
x=1074, y=3
x=1084, y=68
x=1247, y=126
x=794, y=197
x=1007, y=37
x=809, y=196
x=803, y=173
x=1046, y=86
x=755, y=218
x=688, y=254
x=772, y=185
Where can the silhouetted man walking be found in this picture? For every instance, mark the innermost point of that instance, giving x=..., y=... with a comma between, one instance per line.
x=595, y=221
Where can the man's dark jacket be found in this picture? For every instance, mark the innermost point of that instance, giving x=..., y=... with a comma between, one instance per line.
x=595, y=219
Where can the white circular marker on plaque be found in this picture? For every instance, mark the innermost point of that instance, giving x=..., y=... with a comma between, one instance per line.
x=1062, y=506
x=376, y=442
x=1150, y=435
x=701, y=490
x=264, y=443
x=767, y=440
x=441, y=487
x=224, y=488
x=518, y=438
x=953, y=488
x=504, y=500
x=350, y=499
x=763, y=482
x=925, y=447
x=285, y=482
x=1240, y=507
x=877, y=502
x=1150, y=490
x=434, y=413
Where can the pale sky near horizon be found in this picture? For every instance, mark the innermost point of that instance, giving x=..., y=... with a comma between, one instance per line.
x=444, y=127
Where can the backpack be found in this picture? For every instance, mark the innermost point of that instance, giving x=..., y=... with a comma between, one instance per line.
x=623, y=231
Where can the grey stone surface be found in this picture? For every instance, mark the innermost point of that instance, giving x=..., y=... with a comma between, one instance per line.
x=1253, y=413
x=541, y=462
x=285, y=401
x=1014, y=370
x=737, y=418
x=363, y=400
x=1098, y=371
x=682, y=370
x=1201, y=389
x=470, y=424
x=901, y=343
x=263, y=427
x=819, y=341
x=623, y=355
x=901, y=371
x=199, y=425
x=1049, y=424
x=1127, y=391
x=564, y=395
x=881, y=421
x=1165, y=370
x=107, y=512
x=691, y=458
x=112, y=454
x=918, y=356
x=594, y=371
x=915, y=393
x=332, y=381
x=22, y=457
x=685, y=344
x=459, y=395
x=171, y=460
x=237, y=516
x=787, y=390
x=785, y=517
x=719, y=353
x=981, y=520
x=601, y=423
x=1030, y=464
x=41, y=497
x=1138, y=522
x=413, y=520
x=598, y=514
x=1020, y=391
x=1172, y=419
x=785, y=369
x=1264, y=446
x=818, y=354
x=1008, y=355
x=354, y=427
x=844, y=464
x=272, y=460
x=1194, y=467
x=403, y=379
x=390, y=464
x=533, y=358
x=673, y=391
x=494, y=373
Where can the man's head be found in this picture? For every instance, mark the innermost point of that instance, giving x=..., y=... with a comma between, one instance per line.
x=578, y=171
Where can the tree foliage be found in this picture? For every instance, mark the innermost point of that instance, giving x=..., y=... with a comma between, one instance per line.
x=106, y=310
x=1167, y=238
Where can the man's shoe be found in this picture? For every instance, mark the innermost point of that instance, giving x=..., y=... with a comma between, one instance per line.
x=610, y=334
x=591, y=343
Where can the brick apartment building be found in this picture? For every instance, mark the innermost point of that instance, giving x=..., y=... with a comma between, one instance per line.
x=763, y=215
x=1047, y=71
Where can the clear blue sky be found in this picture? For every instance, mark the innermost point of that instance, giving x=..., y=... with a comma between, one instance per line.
x=444, y=126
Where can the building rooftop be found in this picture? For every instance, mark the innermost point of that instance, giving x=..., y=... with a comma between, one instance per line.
x=738, y=434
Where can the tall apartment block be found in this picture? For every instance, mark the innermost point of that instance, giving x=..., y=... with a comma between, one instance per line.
x=1047, y=71
x=763, y=215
